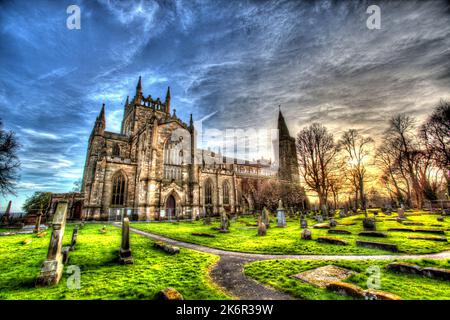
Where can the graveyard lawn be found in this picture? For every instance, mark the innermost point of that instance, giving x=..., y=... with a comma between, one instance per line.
x=243, y=235
x=276, y=273
x=101, y=276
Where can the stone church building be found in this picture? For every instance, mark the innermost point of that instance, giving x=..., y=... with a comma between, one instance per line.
x=153, y=169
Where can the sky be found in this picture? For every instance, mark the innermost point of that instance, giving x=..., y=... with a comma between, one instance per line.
x=234, y=61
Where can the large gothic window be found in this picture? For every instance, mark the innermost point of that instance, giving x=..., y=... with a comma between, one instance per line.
x=173, y=156
x=208, y=192
x=226, y=193
x=119, y=189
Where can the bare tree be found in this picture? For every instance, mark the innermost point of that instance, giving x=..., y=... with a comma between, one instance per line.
x=401, y=138
x=436, y=136
x=316, y=150
x=9, y=163
x=357, y=149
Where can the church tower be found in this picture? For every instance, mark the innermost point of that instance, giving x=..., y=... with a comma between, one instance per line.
x=288, y=169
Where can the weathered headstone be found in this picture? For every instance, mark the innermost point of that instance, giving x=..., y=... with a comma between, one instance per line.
x=262, y=230
x=369, y=224
x=73, y=242
x=7, y=215
x=125, y=251
x=306, y=234
x=333, y=223
x=342, y=213
x=401, y=213
x=224, y=223
x=281, y=216
x=319, y=218
x=266, y=217
x=37, y=226
x=303, y=223
x=52, y=268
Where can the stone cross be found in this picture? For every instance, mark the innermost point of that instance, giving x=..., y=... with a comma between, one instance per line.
x=73, y=242
x=52, y=268
x=125, y=251
x=281, y=217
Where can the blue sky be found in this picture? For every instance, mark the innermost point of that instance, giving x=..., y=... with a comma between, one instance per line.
x=236, y=59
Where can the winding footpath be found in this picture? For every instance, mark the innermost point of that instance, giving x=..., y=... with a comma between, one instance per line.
x=228, y=273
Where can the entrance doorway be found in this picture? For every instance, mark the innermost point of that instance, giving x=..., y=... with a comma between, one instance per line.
x=170, y=208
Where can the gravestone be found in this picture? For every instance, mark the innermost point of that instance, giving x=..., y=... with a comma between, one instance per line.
x=52, y=268
x=401, y=213
x=7, y=215
x=125, y=251
x=303, y=223
x=306, y=234
x=319, y=218
x=262, y=230
x=37, y=226
x=281, y=216
x=73, y=242
x=224, y=223
x=266, y=217
x=342, y=213
x=333, y=223
x=369, y=224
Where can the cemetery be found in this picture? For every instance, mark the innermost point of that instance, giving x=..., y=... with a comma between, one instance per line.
x=125, y=260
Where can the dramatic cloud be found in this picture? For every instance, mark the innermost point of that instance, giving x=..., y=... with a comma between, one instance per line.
x=236, y=60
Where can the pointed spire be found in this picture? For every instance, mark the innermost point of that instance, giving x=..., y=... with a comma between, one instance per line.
x=191, y=122
x=139, y=86
x=168, y=100
x=127, y=102
x=101, y=115
x=282, y=127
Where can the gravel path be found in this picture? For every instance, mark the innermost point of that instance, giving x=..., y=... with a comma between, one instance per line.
x=228, y=272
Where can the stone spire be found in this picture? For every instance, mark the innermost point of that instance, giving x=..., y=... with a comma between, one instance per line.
x=139, y=86
x=191, y=122
x=138, y=96
x=100, y=122
x=168, y=100
x=282, y=127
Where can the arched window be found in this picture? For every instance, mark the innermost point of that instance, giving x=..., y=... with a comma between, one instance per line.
x=116, y=150
x=118, y=191
x=226, y=193
x=172, y=160
x=208, y=192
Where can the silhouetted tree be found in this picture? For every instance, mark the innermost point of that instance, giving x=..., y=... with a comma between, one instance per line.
x=9, y=162
x=316, y=151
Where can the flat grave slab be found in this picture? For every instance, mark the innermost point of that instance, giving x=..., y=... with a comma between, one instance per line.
x=323, y=276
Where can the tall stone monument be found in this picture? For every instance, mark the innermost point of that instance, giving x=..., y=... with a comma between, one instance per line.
x=73, y=242
x=52, y=268
x=266, y=217
x=37, y=225
x=125, y=251
x=7, y=215
x=281, y=216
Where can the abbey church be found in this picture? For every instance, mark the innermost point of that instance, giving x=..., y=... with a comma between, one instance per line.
x=153, y=169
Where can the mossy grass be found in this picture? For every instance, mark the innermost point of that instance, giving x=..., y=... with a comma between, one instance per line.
x=243, y=236
x=276, y=273
x=101, y=276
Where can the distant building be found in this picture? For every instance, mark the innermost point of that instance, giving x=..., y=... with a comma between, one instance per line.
x=144, y=171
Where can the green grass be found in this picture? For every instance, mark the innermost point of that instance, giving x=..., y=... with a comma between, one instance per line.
x=409, y=287
x=101, y=276
x=287, y=240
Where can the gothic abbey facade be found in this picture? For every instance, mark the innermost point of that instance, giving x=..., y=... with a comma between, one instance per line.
x=154, y=170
